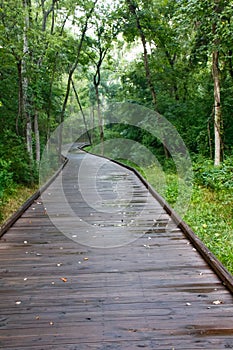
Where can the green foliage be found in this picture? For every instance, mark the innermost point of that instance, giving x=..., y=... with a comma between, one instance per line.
x=210, y=215
x=6, y=180
x=212, y=177
x=20, y=167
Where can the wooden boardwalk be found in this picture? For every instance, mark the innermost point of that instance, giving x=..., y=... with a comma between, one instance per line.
x=121, y=276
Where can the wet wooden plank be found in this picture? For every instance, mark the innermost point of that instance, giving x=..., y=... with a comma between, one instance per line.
x=155, y=292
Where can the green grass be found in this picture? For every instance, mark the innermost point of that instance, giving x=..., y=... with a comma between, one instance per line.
x=209, y=214
x=13, y=201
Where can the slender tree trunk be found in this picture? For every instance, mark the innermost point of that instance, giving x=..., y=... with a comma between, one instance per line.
x=25, y=104
x=96, y=81
x=46, y=14
x=71, y=72
x=217, y=90
x=100, y=119
x=133, y=10
x=82, y=112
x=37, y=137
x=20, y=96
x=217, y=108
x=92, y=116
x=209, y=127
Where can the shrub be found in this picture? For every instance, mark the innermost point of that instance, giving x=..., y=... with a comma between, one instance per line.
x=13, y=149
x=212, y=177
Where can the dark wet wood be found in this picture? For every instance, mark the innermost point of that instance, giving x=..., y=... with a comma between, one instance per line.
x=154, y=292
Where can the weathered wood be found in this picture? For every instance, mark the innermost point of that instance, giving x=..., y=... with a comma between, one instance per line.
x=154, y=292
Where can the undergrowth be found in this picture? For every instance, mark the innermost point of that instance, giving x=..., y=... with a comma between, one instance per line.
x=13, y=201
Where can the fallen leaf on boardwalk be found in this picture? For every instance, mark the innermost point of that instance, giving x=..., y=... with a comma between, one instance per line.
x=217, y=302
x=85, y=259
x=132, y=330
x=146, y=246
x=37, y=317
x=64, y=279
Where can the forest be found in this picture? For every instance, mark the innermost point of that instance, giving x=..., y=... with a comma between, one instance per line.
x=62, y=58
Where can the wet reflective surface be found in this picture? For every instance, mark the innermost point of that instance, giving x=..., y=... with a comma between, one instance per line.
x=99, y=203
x=151, y=290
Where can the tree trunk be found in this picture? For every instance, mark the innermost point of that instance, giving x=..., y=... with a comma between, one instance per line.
x=100, y=119
x=92, y=117
x=25, y=104
x=20, y=96
x=217, y=108
x=133, y=10
x=37, y=137
x=96, y=81
x=217, y=91
x=70, y=75
x=29, y=138
x=83, y=115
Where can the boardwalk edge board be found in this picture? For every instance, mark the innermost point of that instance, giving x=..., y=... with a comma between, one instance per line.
x=224, y=275
x=10, y=222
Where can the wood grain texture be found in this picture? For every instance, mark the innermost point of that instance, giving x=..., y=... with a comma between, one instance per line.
x=150, y=290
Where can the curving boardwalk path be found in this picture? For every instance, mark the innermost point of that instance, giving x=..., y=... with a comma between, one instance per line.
x=121, y=276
